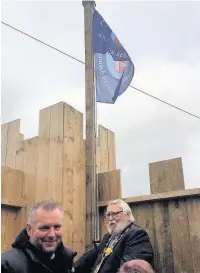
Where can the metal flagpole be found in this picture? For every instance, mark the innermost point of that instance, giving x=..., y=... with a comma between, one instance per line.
x=90, y=144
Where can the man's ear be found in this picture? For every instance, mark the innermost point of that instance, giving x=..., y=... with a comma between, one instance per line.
x=129, y=217
x=28, y=229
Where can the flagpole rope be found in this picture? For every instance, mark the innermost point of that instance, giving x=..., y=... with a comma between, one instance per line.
x=78, y=60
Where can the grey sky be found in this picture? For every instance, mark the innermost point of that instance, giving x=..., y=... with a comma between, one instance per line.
x=164, y=42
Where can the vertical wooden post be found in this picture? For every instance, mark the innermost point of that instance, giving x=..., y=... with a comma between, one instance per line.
x=166, y=175
x=171, y=227
x=110, y=185
x=90, y=144
x=107, y=157
x=109, y=189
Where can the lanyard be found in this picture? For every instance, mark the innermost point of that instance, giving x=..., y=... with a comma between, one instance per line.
x=108, y=250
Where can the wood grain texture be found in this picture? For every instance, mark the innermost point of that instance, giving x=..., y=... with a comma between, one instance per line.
x=8, y=227
x=166, y=175
x=162, y=238
x=42, y=187
x=111, y=151
x=55, y=152
x=143, y=215
x=13, y=133
x=12, y=187
x=181, y=244
x=31, y=159
x=193, y=212
x=109, y=185
x=159, y=196
x=20, y=155
x=68, y=172
x=74, y=183
x=103, y=144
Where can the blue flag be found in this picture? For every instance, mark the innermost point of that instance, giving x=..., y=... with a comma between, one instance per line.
x=114, y=69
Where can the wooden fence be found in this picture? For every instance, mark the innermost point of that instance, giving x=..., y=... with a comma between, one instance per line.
x=52, y=165
x=170, y=215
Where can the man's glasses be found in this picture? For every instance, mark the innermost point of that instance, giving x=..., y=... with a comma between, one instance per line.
x=112, y=213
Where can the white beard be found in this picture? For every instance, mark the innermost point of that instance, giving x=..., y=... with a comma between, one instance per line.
x=114, y=228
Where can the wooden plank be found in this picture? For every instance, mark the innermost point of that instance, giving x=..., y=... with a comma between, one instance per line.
x=193, y=212
x=4, y=142
x=164, y=196
x=162, y=238
x=56, y=152
x=115, y=184
x=180, y=237
x=21, y=218
x=19, y=161
x=16, y=186
x=143, y=215
x=79, y=187
x=166, y=175
x=4, y=225
x=68, y=172
x=12, y=204
x=67, y=230
x=159, y=196
x=42, y=187
x=30, y=162
x=107, y=150
x=5, y=183
x=13, y=134
x=111, y=151
x=103, y=143
x=102, y=223
x=74, y=183
x=109, y=185
x=11, y=228
x=12, y=187
x=8, y=227
x=103, y=186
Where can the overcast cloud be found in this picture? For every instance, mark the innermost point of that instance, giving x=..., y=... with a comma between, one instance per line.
x=164, y=42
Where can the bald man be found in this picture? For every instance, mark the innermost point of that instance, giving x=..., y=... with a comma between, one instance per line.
x=136, y=266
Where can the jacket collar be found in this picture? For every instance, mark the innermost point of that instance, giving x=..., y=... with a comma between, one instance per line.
x=22, y=242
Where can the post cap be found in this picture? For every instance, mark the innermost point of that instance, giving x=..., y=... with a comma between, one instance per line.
x=92, y=3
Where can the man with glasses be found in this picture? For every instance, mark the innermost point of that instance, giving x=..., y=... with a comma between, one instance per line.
x=125, y=241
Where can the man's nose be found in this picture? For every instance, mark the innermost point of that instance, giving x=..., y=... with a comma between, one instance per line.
x=51, y=232
x=110, y=216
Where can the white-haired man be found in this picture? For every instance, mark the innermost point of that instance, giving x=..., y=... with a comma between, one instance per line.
x=39, y=248
x=125, y=241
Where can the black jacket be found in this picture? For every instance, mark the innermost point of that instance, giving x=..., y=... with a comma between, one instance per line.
x=135, y=244
x=25, y=258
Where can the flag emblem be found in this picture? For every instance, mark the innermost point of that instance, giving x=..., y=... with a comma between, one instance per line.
x=120, y=66
x=114, y=68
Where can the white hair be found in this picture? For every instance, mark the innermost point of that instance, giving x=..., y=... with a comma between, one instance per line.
x=124, y=206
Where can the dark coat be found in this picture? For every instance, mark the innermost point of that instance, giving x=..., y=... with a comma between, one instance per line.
x=25, y=258
x=135, y=244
